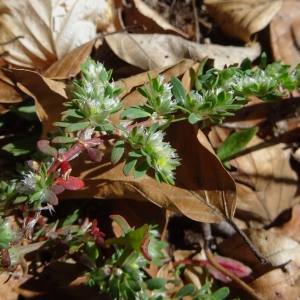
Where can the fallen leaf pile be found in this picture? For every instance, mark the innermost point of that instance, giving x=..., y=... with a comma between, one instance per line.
x=42, y=44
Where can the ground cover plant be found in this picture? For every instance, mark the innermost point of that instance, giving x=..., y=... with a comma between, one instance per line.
x=162, y=137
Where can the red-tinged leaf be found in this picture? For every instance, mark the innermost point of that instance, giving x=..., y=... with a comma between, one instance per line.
x=71, y=184
x=65, y=169
x=95, y=230
x=57, y=189
x=51, y=198
x=122, y=223
x=33, y=165
x=93, y=142
x=43, y=146
x=234, y=266
x=95, y=155
x=144, y=245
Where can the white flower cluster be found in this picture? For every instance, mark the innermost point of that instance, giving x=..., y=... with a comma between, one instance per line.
x=95, y=95
x=160, y=96
x=164, y=158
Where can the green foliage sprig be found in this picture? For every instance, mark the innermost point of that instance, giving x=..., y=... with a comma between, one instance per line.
x=215, y=95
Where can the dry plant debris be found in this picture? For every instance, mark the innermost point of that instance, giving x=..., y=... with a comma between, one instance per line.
x=52, y=38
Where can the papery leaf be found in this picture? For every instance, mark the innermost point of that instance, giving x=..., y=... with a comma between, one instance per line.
x=43, y=146
x=71, y=184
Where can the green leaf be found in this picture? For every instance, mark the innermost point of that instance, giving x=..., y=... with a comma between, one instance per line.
x=135, y=153
x=221, y=294
x=72, y=113
x=246, y=64
x=263, y=62
x=117, y=151
x=141, y=169
x=134, y=113
x=27, y=112
x=63, y=140
x=69, y=219
x=61, y=124
x=134, y=285
x=20, y=199
x=178, y=90
x=122, y=223
x=156, y=283
x=235, y=143
x=22, y=146
x=77, y=126
x=129, y=165
x=193, y=118
x=187, y=290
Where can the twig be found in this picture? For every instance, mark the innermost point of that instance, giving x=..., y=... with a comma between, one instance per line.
x=247, y=240
x=197, y=30
x=220, y=268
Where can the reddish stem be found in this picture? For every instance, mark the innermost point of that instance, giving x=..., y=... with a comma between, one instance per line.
x=146, y=123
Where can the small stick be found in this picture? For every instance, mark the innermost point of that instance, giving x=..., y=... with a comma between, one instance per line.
x=220, y=268
x=197, y=30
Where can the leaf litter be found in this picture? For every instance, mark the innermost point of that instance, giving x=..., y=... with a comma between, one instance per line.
x=264, y=181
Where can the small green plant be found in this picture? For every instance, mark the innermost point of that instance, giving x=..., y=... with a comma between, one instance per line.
x=215, y=95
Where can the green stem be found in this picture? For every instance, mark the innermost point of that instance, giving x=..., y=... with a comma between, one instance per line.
x=124, y=256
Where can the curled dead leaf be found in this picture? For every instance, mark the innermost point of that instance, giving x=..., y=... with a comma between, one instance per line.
x=241, y=19
x=151, y=51
x=266, y=182
x=284, y=33
x=49, y=29
x=49, y=96
x=283, y=283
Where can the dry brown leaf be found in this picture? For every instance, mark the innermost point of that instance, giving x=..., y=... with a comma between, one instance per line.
x=241, y=19
x=284, y=33
x=276, y=248
x=267, y=184
x=49, y=29
x=138, y=12
x=292, y=227
x=283, y=284
x=69, y=65
x=49, y=96
x=204, y=191
x=151, y=51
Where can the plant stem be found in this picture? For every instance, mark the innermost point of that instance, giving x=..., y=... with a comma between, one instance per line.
x=220, y=268
x=247, y=240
